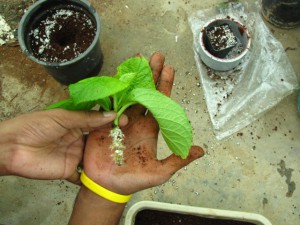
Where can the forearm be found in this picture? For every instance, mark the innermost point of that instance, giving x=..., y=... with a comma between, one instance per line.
x=91, y=209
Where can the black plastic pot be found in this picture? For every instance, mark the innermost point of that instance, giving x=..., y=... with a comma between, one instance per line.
x=282, y=13
x=86, y=64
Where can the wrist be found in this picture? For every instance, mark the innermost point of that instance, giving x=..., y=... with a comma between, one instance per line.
x=4, y=162
x=93, y=199
x=5, y=151
x=102, y=191
x=91, y=208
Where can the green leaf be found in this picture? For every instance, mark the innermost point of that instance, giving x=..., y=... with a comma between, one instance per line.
x=105, y=103
x=173, y=122
x=128, y=78
x=69, y=104
x=139, y=66
x=95, y=88
x=138, y=74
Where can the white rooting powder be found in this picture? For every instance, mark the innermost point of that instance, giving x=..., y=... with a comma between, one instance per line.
x=117, y=145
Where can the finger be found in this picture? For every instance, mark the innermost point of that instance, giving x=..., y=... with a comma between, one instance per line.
x=156, y=62
x=173, y=163
x=165, y=82
x=136, y=111
x=123, y=120
x=75, y=178
x=86, y=120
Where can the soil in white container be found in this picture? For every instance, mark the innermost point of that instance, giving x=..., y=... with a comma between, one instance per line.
x=154, y=217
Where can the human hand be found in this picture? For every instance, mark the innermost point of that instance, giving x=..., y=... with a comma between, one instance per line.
x=141, y=169
x=47, y=144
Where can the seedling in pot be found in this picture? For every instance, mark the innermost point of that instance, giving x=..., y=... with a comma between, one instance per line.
x=133, y=84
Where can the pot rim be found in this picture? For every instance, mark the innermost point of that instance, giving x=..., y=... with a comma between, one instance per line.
x=223, y=60
x=33, y=8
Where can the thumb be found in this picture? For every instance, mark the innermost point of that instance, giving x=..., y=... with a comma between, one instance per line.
x=86, y=120
x=173, y=163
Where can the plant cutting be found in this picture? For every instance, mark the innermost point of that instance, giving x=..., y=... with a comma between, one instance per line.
x=132, y=84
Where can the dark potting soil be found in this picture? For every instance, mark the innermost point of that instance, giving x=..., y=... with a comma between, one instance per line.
x=221, y=42
x=221, y=37
x=61, y=35
x=153, y=217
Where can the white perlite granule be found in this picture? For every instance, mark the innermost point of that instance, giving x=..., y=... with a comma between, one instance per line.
x=221, y=37
x=42, y=36
x=49, y=28
x=5, y=32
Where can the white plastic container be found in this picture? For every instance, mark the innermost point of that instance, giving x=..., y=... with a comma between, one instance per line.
x=195, y=211
x=224, y=64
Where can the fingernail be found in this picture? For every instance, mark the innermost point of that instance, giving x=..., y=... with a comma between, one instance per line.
x=109, y=114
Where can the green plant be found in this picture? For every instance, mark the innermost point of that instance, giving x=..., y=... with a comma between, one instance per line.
x=133, y=84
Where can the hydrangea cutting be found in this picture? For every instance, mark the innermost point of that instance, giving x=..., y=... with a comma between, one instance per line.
x=132, y=84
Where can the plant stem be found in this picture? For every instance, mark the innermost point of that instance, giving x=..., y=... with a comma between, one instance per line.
x=120, y=112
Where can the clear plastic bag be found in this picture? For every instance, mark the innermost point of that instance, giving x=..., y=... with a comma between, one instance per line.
x=238, y=97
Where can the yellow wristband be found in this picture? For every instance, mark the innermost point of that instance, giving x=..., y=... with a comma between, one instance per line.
x=103, y=192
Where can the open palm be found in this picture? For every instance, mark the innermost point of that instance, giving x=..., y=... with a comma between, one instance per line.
x=141, y=169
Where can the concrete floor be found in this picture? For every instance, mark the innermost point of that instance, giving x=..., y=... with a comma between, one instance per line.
x=251, y=172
